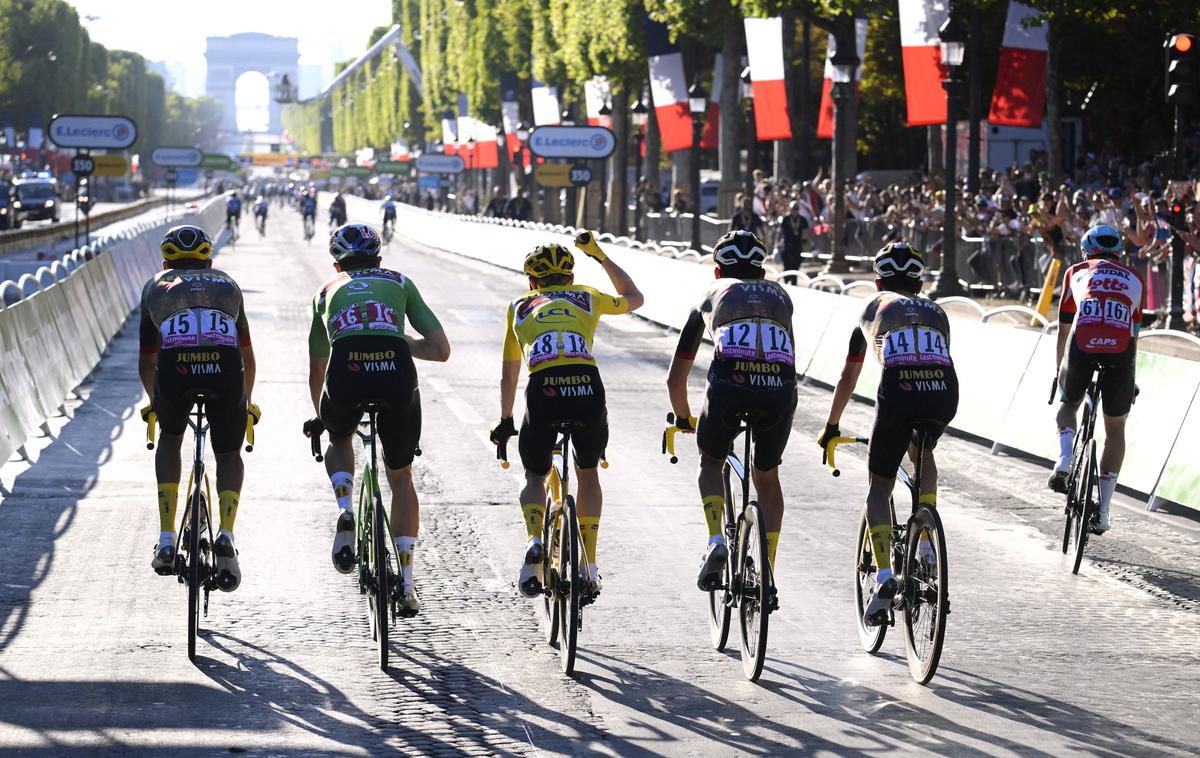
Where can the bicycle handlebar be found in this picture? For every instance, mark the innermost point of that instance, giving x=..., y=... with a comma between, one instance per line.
x=151, y=421
x=249, y=433
x=673, y=428
x=502, y=454
x=830, y=446
x=1053, y=390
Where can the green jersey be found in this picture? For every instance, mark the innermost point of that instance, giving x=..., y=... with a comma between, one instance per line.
x=367, y=302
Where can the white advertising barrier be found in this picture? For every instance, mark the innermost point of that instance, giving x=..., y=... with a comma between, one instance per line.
x=1005, y=373
x=51, y=340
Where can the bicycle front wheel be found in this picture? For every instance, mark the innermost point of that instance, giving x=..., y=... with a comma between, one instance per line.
x=719, y=611
x=870, y=637
x=380, y=600
x=1085, y=495
x=926, y=595
x=548, y=605
x=755, y=587
x=569, y=587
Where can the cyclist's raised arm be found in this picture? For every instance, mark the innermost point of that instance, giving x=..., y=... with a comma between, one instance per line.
x=622, y=282
x=849, y=379
x=681, y=364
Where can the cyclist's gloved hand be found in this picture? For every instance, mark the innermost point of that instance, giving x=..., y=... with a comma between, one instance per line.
x=147, y=409
x=586, y=241
x=313, y=427
x=254, y=412
x=831, y=432
x=502, y=431
x=684, y=424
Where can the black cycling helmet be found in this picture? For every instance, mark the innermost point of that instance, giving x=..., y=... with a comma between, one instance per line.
x=186, y=242
x=351, y=241
x=899, y=259
x=740, y=252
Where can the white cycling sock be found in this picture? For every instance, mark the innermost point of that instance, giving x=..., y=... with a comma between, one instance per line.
x=1066, y=444
x=405, y=547
x=882, y=575
x=166, y=538
x=225, y=532
x=1108, y=484
x=717, y=538
x=594, y=570
x=343, y=486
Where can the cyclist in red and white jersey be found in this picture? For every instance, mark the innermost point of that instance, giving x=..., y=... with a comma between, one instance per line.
x=1099, y=317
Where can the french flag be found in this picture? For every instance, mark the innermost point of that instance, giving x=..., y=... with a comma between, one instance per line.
x=546, y=111
x=919, y=22
x=764, y=48
x=668, y=88
x=710, y=138
x=510, y=111
x=1020, y=94
x=825, y=115
x=487, y=149
x=449, y=136
x=596, y=92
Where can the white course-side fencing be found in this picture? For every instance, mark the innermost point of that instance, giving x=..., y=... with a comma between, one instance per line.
x=1005, y=373
x=69, y=310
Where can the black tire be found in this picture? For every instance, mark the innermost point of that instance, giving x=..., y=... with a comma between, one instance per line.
x=926, y=595
x=755, y=587
x=195, y=573
x=551, y=537
x=719, y=610
x=870, y=637
x=380, y=600
x=568, y=597
x=1086, y=490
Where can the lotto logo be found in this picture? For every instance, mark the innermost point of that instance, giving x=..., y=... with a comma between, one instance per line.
x=1109, y=284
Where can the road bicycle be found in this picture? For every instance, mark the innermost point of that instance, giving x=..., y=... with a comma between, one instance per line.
x=260, y=222
x=232, y=225
x=748, y=584
x=309, y=228
x=379, y=568
x=386, y=232
x=918, y=563
x=1083, y=481
x=194, y=562
x=567, y=583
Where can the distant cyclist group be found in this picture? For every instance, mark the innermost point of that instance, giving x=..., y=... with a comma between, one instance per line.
x=195, y=336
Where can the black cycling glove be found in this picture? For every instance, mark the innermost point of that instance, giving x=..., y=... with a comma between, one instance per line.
x=313, y=427
x=831, y=432
x=502, y=431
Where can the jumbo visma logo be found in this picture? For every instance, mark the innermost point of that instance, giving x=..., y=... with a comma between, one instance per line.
x=380, y=360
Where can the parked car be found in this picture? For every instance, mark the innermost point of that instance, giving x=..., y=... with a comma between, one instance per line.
x=37, y=198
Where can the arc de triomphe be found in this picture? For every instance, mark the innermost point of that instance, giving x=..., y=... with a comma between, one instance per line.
x=230, y=57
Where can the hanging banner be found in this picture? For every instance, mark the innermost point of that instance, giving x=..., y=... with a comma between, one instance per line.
x=764, y=48
x=668, y=88
x=1019, y=98
x=919, y=23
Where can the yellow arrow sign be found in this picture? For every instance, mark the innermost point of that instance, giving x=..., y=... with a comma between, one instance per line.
x=110, y=165
x=553, y=175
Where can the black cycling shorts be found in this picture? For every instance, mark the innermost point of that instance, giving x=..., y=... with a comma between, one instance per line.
x=769, y=398
x=1116, y=383
x=374, y=367
x=563, y=393
x=909, y=398
x=216, y=371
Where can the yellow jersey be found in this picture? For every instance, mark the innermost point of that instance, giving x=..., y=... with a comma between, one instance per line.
x=554, y=326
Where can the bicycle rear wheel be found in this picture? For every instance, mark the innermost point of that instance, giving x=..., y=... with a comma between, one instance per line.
x=870, y=637
x=1086, y=493
x=548, y=606
x=718, y=609
x=380, y=599
x=754, y=587
x=926, y=595
x=569, y=587
x=195, y=574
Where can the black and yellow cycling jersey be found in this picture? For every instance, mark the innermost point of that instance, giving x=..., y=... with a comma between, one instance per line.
x=555, y=326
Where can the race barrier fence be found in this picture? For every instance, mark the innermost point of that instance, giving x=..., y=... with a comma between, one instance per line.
x=65, y=315
x=1005, y=371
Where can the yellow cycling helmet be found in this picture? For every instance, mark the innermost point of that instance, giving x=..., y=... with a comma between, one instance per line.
x=186, y=242
x=548, y=260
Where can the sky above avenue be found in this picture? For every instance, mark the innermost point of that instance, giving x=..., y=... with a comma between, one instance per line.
x=175, y=31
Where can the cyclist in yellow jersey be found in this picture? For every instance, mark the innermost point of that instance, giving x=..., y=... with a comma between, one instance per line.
x=550, y=329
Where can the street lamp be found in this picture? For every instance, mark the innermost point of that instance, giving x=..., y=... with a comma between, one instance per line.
x=844, y=62
x=523, y=171
x=751, y=138
x=953, y=42
x=640, y=117
x=698, y=107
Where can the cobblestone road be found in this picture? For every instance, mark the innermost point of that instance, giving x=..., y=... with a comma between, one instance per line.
x=92, y=644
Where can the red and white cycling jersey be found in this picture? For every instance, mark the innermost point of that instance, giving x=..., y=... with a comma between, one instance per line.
x=1107, y=299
